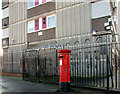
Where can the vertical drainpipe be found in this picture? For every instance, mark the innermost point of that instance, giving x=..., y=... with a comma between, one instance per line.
x=111, y=10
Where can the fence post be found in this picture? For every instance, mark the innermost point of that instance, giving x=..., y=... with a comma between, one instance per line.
x=115, y=66
x=23, y=65
x=56, y=61
x=38, y=66
x=107, y=64
x=12, y=61
x=2, y=63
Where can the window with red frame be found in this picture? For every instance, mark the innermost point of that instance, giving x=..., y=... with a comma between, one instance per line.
x=41, y=23
x=36, y=2
x=44, y=24
x=43, y=1
x=37, y=24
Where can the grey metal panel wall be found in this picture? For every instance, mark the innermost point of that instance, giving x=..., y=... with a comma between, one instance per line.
x=17, y=12
x=59, y=24
x=64, y=22
x=17, y=33
x=82, y=19
x=17, y=20
x=72, y=13
x=74, y=20
x=77, y=19
x=66, y=3
x=87, y=18
x=119, y=18
x=68, y=23
x=17, y=48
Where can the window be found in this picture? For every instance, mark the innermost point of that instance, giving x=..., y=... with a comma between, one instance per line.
x=4, y=42
x=31, y=26
x=40, y=2
x=36, y=2
x=31, y=3
x=43, y=1
x=51, y=21
x=43, y=22
x=37, y=24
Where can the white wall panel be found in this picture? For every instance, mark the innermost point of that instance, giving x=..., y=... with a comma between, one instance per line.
x=100, y=9
x=18, y=12
x=5, y=33
x=5, y=12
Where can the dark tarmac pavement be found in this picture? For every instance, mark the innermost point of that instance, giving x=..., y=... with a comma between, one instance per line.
x=17, y=85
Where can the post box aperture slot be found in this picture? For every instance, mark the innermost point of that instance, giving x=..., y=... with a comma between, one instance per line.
x=61, y=57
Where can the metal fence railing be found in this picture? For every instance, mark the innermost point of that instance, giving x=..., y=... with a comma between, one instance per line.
x=92, y=65
x=12, y=62
x=41, y=65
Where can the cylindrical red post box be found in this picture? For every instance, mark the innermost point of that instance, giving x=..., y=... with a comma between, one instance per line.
x=64, y=62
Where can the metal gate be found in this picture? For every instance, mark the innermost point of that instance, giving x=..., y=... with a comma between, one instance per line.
x=41, y=65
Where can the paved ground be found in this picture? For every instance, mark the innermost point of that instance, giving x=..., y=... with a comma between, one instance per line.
x=17, y=85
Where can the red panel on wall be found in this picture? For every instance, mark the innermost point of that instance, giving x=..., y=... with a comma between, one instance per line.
x=36, y=2
x=43, y=1
x=44, y=24
x=37, y=24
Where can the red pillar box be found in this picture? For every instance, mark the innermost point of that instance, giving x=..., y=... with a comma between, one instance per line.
x=64, y=62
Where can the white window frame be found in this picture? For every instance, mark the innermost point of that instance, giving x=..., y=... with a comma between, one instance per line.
x=40, y=3
x=5, y=13
x=40, y=23
x=48, y=18
x=32, y=21
x=31, y=6
x=100, y=9
x=5, y=33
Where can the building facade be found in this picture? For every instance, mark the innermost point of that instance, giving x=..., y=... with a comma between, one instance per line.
x=35, y=24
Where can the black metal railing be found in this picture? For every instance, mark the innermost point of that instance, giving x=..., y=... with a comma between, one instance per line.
x=41, y=65
x=92, y=65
